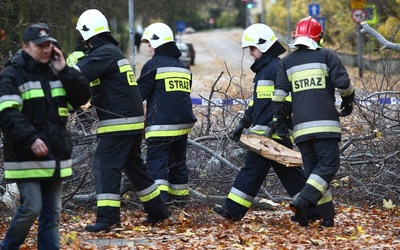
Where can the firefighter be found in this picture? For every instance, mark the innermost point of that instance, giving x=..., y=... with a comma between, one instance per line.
x=165, y=84
x=81, y=49
x=311, y=74
x=264, y=48
x=119, y=107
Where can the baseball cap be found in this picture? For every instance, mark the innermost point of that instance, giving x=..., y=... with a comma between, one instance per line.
x=38, y=33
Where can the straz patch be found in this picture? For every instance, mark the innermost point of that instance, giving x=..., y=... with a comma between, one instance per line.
x=131, y=78
x=263, y=95
x=308, y=83
x=95, y=82
x=177, y=84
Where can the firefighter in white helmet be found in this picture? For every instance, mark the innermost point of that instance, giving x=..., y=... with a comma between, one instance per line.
x=165, y=83
x=311, y=74
x=119, y=106
x=266, y=49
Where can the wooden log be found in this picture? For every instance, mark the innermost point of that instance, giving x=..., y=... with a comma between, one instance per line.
x=270, y=149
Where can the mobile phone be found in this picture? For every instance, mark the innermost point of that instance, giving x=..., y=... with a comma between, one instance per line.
x=53, y=54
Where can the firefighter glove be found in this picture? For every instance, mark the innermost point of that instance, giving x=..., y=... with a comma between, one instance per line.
x=237, y=132
x=347, y=105
x=270, y=130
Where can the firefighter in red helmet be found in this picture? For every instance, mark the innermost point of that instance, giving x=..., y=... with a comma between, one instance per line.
x=311, y=75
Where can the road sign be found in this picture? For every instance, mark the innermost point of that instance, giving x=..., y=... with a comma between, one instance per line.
x=358, y=15
x=313, y=9
x=321, y=20
x=358, y=4
x=180, y=26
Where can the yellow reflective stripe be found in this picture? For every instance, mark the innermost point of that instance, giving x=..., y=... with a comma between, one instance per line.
x=307, y=66
x=325, y=199
x=313, y=130
x=34, y=93
x=166, y=133
x=163, y=187
x=100, y=29
x=108, y=203
x=239, y=200
x=58, y=92
x=164, y=75
x=316, y=184
x=265, y=89
x=28, y=173
x=74, y=58
x=166, y=72
x=305, y=74
x=10, y=104
x=65, y=172
x=179, y=189
x=125, y=68
x=273, y=136
x=180, y=192
x=120, y=127
x=150, y=196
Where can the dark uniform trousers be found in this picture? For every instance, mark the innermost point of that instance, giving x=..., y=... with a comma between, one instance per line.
x=115, y=154
x=253, y=174
x=166, y=158
x=321, y=159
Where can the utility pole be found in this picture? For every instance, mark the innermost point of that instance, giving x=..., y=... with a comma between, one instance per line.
x=132, y=36
x=288, y=18
x=262, y=19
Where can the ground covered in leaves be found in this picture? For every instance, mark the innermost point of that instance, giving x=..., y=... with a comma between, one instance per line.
x=200, y=228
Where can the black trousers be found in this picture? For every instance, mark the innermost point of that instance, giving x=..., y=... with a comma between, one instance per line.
x=321, y=162
x=113, y=155
x=252, y=175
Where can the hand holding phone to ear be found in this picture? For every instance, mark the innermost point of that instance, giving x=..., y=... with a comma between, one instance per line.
x=57, y=59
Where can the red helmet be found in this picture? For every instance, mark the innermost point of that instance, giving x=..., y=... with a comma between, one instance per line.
x=309, y=27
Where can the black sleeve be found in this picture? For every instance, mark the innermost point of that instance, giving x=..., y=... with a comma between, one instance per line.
x=76, y=85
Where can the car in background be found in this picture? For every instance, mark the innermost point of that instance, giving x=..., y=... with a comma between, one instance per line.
x=186, y=55
x=192, y=52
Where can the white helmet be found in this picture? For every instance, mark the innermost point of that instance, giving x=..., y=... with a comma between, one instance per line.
x=260, y=36
x=91, y=23
x=157, y=34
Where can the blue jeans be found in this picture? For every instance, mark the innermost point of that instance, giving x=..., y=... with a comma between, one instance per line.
x=38, y=198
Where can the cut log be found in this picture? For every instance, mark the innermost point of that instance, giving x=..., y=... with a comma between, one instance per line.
x=270, y=149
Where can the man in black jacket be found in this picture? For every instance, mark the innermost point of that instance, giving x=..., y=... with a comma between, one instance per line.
x=36, y=91
x=119, y=106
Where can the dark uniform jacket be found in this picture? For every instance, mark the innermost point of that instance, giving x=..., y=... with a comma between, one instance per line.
x=165, y=83
x=312, y=76
x=115, y=93
x=34, y=103
x=260, y=110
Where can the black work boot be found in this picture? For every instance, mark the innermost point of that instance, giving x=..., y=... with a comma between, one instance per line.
x=102, y=226
x=157, y=217
x=300, y=208
x=224, y=213
x=327, y=222
x=312, y=215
